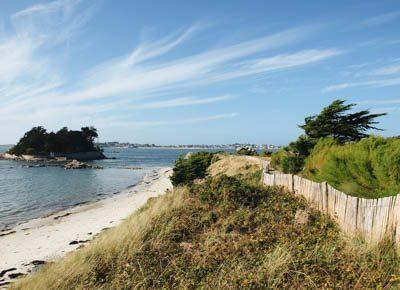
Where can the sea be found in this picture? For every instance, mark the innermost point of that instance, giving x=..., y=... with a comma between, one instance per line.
x=32, y=192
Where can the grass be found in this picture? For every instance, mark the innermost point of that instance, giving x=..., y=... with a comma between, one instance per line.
x=369, y=168
x=225, y=232
x=232, y=165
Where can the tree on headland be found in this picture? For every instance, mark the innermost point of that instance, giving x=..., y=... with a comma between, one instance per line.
x=38, y=141
x=335, y=121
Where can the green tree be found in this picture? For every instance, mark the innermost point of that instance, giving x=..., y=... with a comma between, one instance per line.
x=90, y=133
x=39, y=141
x=337, y=122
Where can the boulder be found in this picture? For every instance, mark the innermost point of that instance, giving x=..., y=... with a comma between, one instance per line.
x=75, y=164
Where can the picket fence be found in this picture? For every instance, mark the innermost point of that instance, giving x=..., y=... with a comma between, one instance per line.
x=374, y=219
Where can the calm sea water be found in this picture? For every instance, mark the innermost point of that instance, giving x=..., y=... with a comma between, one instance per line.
x=27, y=193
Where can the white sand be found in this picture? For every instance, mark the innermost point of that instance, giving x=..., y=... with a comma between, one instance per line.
x=49, y=238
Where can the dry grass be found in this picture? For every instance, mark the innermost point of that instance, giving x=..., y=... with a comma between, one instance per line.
x=232, y=165
x=223, y=233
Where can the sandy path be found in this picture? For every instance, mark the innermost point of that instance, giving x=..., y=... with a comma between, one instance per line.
x=48, y=238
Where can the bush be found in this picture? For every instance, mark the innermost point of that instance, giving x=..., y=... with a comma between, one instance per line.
x=230, y=191
x=191, y=167
x=369, y=168
x=287, y=162
x=266, y=153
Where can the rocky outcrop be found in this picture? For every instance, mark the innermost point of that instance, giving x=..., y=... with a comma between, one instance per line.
x=82, y=156
x=75, y=164
x=56, y=157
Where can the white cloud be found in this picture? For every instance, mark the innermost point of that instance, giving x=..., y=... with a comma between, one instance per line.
x=387, y=70
x=33, y=89
x=117, y=122
x=368, y=84
x=381, y=19
x=337, y=87
x=379, y=102
x=178, y=102
x=281, y=62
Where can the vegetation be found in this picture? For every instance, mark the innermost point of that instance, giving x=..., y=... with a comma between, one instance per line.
x=287, y=162
x=336, y=122
x=191, y=167
x=38, y=141
x=368, y=168
x=226, y=233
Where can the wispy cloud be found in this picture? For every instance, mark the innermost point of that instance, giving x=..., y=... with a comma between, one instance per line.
x=380, y=102
x=381, y=19
x=178, y=102
x=387, y=70
x=34, y=89
x=117, y=122
x=368, y=84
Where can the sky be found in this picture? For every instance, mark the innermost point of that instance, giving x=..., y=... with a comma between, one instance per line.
x=194, y=72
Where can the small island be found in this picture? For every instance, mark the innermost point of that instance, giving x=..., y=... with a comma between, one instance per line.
x=38, y=144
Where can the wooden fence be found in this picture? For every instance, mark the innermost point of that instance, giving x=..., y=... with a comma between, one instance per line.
x=372, y=218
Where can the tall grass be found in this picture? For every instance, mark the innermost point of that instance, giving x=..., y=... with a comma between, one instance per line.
x=222, y=233
x=369, y=168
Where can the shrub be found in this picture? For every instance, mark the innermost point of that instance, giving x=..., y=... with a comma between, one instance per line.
x=287, y=162
x=229, y=191
x=191, y=167
x=266, y=153
x=369, y=168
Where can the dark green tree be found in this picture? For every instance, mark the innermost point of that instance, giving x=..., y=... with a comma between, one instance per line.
x=38, y=141
x=90, y=133
x=337, y=122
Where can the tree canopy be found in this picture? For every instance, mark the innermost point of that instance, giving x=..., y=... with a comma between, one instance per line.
x=38, y=141
x=337, y=122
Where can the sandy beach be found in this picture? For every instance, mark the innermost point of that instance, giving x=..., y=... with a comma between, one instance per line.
x=29, y=244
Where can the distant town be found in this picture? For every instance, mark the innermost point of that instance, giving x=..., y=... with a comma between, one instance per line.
x=190, y=146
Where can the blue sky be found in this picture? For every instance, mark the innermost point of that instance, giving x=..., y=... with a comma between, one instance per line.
x=194, y=72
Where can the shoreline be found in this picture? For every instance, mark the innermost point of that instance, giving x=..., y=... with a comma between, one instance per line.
x=31, y=244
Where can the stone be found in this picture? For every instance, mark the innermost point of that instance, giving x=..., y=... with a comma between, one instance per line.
x=15, y=275
x=2, y=273
x=301, y=217
x=75, y=164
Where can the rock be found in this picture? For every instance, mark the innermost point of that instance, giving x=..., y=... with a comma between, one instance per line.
x=246, y=150
x=34, y=165
x=301, y=217
x=15, y=275
x=38, y=262
x=75, y=164
x=6, y=234
x=79, y=242
x=2, y=273
x=61, y=216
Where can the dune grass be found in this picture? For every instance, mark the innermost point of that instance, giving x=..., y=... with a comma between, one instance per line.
x=225, y=232
x=369, y=168
x=232, y=165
